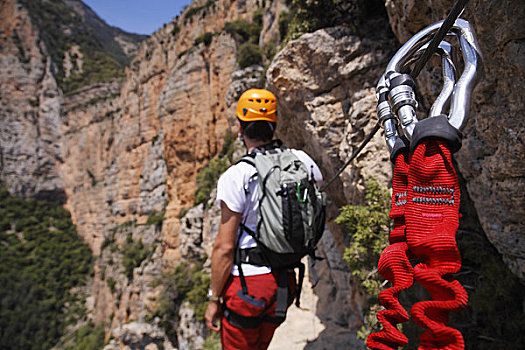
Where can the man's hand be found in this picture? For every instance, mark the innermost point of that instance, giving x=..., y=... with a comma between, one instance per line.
x=213, y=313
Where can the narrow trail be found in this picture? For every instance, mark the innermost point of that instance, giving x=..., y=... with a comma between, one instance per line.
x=301, y=325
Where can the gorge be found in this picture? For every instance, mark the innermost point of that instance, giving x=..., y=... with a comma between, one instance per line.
x=120, y=136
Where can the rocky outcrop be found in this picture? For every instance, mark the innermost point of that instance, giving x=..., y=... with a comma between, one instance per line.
x=31, y=102
x=325, y=84
x=492, y=158
x=325, y=87
x=139, y=335
x=129, y=264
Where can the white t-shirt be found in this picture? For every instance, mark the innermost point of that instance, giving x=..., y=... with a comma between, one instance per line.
x=231, y=190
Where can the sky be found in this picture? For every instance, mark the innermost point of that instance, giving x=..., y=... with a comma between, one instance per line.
x=137, y=16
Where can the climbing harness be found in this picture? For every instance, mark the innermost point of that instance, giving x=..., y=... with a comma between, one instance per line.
x=426, y=195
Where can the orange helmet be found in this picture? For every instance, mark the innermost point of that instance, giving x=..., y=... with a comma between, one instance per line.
x=257, y=104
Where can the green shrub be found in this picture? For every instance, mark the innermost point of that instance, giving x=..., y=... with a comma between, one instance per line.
x=269, y=49
x=156, y=218
x=92, y=178
x=175, y=30
x=108, y=241
x=192, y=11
x=122, y=227
x=88, y=337
x=244, y=31
x=249, y=54
x=257, y=18
x=111, y=284
x=284, y=21
x=205, y=38
x=212, y=342
x=228, y=146
x=183, y=53
x=368, y=226
x=306, y=16
x=207, y=179
x=133, y=254
x=246, y=34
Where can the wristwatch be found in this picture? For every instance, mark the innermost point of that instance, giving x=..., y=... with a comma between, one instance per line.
x=212, y=297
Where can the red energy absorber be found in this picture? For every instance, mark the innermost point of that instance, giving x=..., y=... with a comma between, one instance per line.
x=432, y=218
x=394, y=266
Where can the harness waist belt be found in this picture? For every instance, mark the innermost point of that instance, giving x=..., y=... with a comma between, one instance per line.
x=253, y=322
x=253, y=256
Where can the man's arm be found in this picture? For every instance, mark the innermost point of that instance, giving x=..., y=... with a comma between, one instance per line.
x=222, y=259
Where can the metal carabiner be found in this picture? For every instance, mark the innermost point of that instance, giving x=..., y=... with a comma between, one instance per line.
x=387, y=119
x=448, y=70
x=384, y=109
x=472, y=72
x=400, y=87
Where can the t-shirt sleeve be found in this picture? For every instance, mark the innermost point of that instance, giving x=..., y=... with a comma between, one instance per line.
x=230, y=189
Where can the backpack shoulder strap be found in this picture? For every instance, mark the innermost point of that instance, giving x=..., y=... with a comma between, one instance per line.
x=248, y=158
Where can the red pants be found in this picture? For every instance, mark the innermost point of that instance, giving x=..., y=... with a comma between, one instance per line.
x=262, y=288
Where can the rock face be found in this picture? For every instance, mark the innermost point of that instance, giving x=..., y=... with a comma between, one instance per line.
x=31, y=102
x=492, y=159
x=124, y=154
x=325, y=83
x=139, y=335
x=30, y=134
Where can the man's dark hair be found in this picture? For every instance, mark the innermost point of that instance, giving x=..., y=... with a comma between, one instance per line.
x=259, y=130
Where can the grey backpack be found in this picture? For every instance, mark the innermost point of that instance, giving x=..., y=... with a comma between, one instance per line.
x=290, y=223
x=291, y=214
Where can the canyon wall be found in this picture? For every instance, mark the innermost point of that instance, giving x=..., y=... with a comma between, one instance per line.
x=29, y=108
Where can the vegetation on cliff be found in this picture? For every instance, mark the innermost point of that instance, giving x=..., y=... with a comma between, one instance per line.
x=132, y=252
x=246, y=34
x=307, y=16
x=43, y=259
x=368, y=226
x=490, y=320
x=87, y=337
x=186, y=282
x=208, y=176
x=198, y=10
x=99, y=56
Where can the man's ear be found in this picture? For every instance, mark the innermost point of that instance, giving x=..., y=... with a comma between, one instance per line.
x=240, y=128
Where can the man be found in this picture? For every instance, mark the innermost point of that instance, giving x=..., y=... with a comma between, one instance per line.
x=237, y=193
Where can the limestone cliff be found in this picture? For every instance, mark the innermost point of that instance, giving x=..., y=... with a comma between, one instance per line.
x=29, y=108
x=124, y=154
